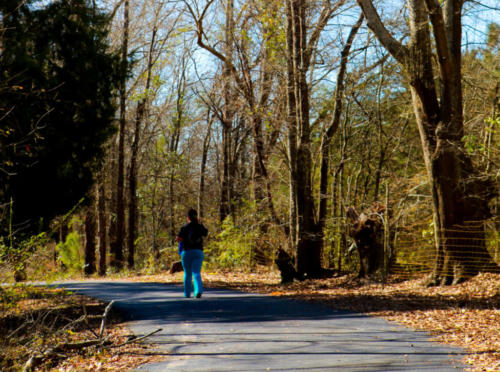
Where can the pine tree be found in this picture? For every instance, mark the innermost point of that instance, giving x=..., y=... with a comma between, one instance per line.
x=58, y=80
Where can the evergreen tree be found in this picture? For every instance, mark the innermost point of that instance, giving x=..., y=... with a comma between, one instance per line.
x=58, y=80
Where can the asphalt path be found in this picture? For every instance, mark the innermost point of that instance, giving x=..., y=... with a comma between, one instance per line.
x=232, y=331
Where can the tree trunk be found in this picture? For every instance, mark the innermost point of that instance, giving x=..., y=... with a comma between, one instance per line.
x=299, y=50
x=132, y=189
x=117, y=243
x=174, y=146
x=330, y=132
x=62, y=235
x=261, y=182
x=101, y=223
x=489, y=138
x=133, y=211
x=155, y=220
x=227, y=119
x=292, y=131
x=231, y=150
x=206, y=145
x=111, y=215
x=308, y=254
x=90, y=235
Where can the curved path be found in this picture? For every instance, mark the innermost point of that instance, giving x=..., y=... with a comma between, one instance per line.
x=233, y=331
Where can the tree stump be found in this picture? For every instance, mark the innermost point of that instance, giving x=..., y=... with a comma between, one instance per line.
x=176, y=267
x=366, y=231
x=286, y=267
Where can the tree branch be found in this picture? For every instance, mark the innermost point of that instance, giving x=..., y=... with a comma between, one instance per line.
x=104, y=318
x=200, y=33
x=437, y=19
x=339, y=91
x=324, y=17
x=136, y=339
x=38, y=358
x=399, y=51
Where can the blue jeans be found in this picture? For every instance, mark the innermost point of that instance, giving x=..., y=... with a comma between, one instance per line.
x=191, y=262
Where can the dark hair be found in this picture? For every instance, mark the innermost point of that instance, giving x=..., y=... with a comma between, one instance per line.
x=192, y=214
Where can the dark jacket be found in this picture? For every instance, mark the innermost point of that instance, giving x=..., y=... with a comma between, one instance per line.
x=191, y=235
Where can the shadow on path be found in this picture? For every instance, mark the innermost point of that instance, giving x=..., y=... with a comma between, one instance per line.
x=154, y=301
x=231, y=331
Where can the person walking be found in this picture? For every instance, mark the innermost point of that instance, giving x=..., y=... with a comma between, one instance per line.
x=191, y=237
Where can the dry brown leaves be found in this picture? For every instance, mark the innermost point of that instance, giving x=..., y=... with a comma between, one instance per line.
x=33, y=318
x=124, y=358
x=465, y=315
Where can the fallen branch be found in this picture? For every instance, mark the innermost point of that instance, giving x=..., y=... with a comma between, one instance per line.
x=38, y=358
x=104, y=317
x=83, y=318
x=136, y=339
x=21, y=327
x=86, y=319
x=80, y=345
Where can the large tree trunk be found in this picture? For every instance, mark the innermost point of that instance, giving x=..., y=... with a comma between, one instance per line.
x=308, y=244
x=308, y=233
x=117, y=243
x=308, y=237
x=460, y=194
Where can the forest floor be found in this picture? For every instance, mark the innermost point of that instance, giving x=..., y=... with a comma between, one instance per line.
x=33, y=320
x=466, y=315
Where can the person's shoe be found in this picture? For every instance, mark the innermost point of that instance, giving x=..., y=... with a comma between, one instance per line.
x=198, y=295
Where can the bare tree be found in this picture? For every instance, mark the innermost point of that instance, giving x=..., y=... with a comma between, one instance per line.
x=240, y=69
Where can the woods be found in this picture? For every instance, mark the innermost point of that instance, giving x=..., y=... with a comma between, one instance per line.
x=273, y=118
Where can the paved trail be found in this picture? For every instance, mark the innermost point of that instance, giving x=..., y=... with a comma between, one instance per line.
x=232, y=331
